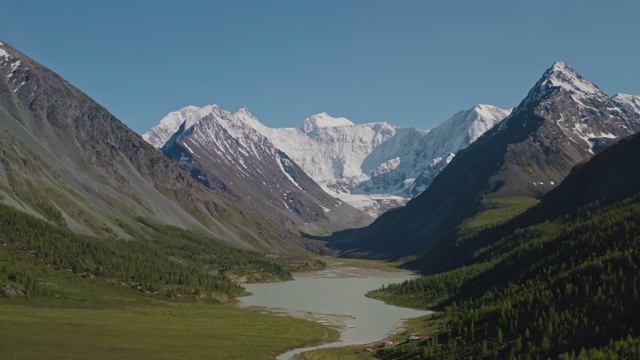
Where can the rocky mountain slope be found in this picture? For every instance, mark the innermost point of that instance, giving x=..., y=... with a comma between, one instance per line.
x=374, y=166
x=564, y=120
x=68, y=160
x=227, y=155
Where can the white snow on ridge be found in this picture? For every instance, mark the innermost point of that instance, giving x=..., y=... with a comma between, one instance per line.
x=565, y=77
x=375, y=162
x=630, y=101
x=293, y=181
x=3, y=53
x=161, y=133
x=324, y=120
x=15, y=65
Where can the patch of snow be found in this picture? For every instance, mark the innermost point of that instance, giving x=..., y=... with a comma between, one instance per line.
x=16, y=65
x=629, y=101
x=372, y=204
x=293, y=181
x=3, y=53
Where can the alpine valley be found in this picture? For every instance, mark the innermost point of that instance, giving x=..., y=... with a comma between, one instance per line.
x=524, y=224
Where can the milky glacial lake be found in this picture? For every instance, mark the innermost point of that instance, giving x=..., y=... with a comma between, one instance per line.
x=335, y=296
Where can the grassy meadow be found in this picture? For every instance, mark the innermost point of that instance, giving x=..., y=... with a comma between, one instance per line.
x=148, y=330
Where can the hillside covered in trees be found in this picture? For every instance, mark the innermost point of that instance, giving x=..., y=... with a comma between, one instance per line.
x=559, y=281
x=168, y=262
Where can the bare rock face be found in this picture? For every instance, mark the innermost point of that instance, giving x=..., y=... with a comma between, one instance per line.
x=68, y=160
x=13, y=290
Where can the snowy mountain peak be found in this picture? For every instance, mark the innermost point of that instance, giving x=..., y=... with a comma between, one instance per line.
x=244, y=111
x=161, y=133
x=559, y=78
x=490, y=113
x=323, y=120
x=561, y=75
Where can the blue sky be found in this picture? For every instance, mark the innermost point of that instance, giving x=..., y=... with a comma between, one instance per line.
x=411, y=63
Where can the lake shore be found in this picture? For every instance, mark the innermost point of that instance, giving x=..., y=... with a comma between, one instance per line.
x=336, y=297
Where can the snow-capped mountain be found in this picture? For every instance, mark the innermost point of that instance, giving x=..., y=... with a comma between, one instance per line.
x=228, y=155
x=562, y=121
x=161, y=133
x=376, y=166
x=373, y=166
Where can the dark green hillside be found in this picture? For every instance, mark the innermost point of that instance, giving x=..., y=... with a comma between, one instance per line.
x=608, y=177
x=171, y=262
x=548, y=290
x=562, y=280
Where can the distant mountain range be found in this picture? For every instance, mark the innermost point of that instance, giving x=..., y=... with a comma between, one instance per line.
x=374, y=166
x=68, y=160
x=228, y=156
x=562, y=121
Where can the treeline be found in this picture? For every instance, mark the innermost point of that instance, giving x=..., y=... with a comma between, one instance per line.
x=167, y=261
x=566, y=289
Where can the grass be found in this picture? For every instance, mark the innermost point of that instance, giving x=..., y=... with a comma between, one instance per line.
x=87, y=318
x=146, y=331
x=497, y=211
x=381, y=265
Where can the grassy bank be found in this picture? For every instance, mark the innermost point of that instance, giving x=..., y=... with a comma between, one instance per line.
x=70, y=296
x=428, y=324
x=148, y=330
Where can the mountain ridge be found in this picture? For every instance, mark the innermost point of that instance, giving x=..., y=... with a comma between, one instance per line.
x=227, y=155
x=373, y=166
x=555, y=127
x=102, y=177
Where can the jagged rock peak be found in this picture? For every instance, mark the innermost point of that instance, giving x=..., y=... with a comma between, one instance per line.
x=209, y=113
x=323, y=120
x=562, y=76
x=559, y=77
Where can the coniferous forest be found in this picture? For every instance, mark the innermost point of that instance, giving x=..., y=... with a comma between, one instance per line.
x=568, y=289
x=169, y=262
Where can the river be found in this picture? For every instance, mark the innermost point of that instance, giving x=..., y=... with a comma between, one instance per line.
x=336, y=297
